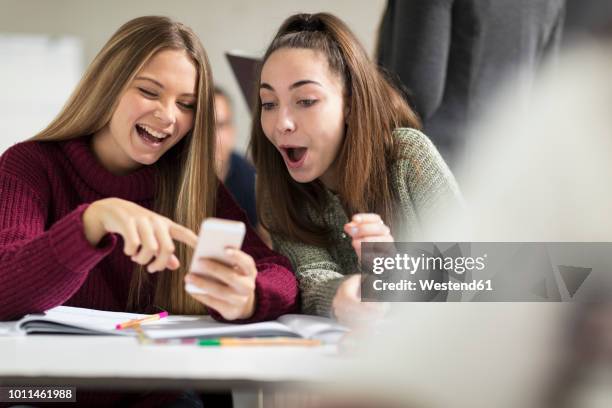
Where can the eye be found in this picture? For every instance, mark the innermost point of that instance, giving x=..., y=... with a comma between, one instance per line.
x=147, y=93
x=268, y=105
x=187, y=106
x=307, y=102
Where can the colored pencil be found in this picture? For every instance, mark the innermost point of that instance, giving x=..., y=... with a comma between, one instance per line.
x=138, y=322
x=258, y=341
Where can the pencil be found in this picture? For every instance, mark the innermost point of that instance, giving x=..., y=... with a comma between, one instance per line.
x=138, y=322
x=258, y=341
x=142, y=338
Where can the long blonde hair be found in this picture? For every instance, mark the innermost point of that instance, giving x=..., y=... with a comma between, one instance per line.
x=186, y=184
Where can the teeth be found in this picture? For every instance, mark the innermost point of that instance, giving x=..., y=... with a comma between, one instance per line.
x=154, y=133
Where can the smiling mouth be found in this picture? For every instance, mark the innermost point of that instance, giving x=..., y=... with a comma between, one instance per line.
x=151, y=135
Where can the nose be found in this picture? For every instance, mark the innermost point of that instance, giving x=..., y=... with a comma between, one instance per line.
x=284, y=121
x=166, y=114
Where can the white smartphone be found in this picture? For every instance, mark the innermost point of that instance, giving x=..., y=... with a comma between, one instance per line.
x=215, y=236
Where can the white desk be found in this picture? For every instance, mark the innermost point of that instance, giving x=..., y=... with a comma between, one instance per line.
x=104, y=362
x=121, y=363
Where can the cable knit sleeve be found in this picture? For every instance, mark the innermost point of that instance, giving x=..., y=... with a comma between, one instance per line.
x=276, y=288
x=317, y=273
x=40, y=266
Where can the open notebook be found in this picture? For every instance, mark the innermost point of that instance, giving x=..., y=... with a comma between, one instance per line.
x=74, y=320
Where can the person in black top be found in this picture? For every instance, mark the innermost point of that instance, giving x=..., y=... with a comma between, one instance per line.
x=452, y=55
x=237, y=173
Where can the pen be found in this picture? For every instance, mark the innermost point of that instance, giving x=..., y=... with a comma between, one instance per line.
x=258, y=341
x=138, y=322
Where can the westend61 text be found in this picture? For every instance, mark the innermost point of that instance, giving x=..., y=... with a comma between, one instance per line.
x=428, y=284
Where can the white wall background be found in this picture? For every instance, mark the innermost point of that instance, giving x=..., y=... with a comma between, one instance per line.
x=222, y=25
x=37, y=74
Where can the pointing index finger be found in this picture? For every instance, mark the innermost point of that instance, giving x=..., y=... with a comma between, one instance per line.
x=183, y=234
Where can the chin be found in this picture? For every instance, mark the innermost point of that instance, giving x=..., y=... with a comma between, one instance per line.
x=302, y=177
x=146, y=161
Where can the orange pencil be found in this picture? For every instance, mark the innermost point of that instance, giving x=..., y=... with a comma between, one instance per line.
x=138, y=322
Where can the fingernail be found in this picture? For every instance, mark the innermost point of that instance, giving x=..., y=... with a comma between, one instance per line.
x=357, y=218
x=188, y=278
x=229, y=251
x=354, y=230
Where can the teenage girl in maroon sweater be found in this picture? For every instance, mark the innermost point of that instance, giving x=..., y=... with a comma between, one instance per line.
x=99, y=209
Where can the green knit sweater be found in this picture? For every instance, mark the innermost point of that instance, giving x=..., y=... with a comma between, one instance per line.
x=425, y=185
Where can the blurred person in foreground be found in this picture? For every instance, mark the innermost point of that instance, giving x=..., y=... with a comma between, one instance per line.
x=534, y=171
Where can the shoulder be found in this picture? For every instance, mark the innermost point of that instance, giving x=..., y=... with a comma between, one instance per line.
x=412, y=142
x=419, y=163
x=240, y=161
x=416, y=153
x=29, y=164
x=239, y=166
x=24, y=154
x=29, y=158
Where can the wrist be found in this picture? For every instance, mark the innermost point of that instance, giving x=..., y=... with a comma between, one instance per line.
x=250, y=306
x=92, y=228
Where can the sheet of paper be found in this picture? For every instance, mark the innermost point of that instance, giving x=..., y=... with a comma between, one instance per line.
x=206, y=326
x=96, y=320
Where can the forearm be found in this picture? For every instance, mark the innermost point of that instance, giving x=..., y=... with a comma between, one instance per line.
x=45, y=270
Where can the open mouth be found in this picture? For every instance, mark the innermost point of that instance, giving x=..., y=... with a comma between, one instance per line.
x=150, y=135
x=294, y=155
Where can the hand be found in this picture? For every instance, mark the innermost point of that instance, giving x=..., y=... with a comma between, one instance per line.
x=348, y=307
x=146, y=235
x=229, y=289
x=367, y=228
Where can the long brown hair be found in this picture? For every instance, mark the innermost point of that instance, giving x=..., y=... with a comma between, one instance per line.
x=376, y=108
x=186, y=184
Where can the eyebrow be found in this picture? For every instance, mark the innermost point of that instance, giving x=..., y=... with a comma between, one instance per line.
x=297, y=84
x=144, y=78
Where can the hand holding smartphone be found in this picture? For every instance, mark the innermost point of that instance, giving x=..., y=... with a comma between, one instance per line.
x=215, y=236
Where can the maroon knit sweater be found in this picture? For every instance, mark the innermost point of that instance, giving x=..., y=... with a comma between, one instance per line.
x=45, y=260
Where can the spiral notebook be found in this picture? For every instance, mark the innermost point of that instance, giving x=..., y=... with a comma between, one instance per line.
x=74, y=320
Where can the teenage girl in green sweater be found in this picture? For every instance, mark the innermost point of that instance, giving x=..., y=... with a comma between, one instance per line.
x=339, y=161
